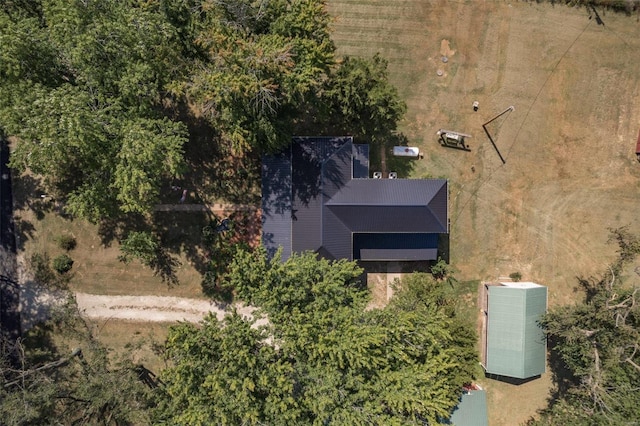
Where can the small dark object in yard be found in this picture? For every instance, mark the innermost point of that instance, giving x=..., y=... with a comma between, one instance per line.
x=476, y=104
x=224, y=226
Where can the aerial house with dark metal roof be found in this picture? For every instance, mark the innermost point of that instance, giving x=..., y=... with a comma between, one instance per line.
x=317, y=196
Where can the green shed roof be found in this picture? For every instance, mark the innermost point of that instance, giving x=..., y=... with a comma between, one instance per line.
x=472, y=410
x=516, y=344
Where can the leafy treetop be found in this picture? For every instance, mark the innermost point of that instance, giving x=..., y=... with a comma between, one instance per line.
x=322, y=357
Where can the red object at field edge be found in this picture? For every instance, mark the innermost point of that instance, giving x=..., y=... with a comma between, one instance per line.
x=638, y=147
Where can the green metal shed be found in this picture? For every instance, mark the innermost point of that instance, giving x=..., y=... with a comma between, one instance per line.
x=472, y=410
x=516, y=345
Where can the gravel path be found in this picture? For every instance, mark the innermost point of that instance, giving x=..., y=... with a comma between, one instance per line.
x=154, y=308
x=36, y=305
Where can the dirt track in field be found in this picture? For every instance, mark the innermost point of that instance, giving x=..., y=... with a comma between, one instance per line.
x=570, y=171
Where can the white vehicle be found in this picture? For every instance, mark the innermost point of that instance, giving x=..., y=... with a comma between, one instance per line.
x=406, y=151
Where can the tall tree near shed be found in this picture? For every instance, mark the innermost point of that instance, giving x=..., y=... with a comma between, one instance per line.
x=597, y=342
x=322, y=358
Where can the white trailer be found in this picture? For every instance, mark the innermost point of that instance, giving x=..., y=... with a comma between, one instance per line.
x=406, y=151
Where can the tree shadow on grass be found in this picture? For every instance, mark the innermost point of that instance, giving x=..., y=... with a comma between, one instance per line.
x=117, y=228
x=403, y=166
x=213, y=172
x=29, y=193
x=181, y=233
x=165, y=266
x=24, y=230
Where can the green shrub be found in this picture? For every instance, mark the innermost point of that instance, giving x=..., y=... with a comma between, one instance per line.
x=62, y=264
x=143, y=246
x=42, y=272
x=66, y=242
x=515, y=276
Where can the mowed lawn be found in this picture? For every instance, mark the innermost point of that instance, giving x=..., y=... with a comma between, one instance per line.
x=569, y=171
x=96, y=268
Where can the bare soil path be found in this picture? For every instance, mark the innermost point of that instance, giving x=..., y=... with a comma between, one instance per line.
x=37, y=304
x=154, y=308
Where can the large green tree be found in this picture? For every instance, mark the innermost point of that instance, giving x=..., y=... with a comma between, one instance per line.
x=322, y=357
x=100, y=94
x=596, y=347
x=261, y=63
x=361, y=99
x=83, y=87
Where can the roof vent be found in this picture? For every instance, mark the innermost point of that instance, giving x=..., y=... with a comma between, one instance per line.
x=393, y=175
x=377, y=175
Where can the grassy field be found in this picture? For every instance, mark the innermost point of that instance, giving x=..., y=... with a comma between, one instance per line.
x=96, y=267
x=570, y=172
x=138, y=340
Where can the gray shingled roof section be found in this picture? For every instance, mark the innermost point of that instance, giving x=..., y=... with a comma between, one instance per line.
x=390, y=192
x=371, y=218
x=276, y=203
x=398, y=254
x=336, y=171
x=360, y=161
x=336, y=243
x=308, y=157
x=392, y=205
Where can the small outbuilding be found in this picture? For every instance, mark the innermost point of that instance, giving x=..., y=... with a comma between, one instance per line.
x=472, y=409
x=514, y=343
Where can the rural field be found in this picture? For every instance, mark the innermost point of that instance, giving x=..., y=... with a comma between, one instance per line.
x=570, y=170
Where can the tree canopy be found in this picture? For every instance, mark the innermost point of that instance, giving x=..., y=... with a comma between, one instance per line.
x=82, y=86
x=42, y=382
x=322, y=357
x=100, y=94
x=596, y=347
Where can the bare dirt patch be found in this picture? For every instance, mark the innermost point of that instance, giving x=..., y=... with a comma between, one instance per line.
x=152, y=308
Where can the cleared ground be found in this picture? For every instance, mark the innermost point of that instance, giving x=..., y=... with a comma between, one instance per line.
x=570, y=171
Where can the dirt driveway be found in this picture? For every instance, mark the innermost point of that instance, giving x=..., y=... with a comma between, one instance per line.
x=37, y=303
x=153, y=308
